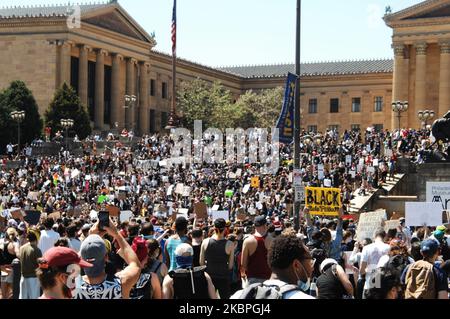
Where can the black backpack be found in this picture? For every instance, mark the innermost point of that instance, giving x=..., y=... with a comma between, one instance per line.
x=397, y=264
x=262, y=291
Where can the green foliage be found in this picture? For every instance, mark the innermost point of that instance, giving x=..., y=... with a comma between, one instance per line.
x=213, y=104
x=17, y=97
x=67, y=105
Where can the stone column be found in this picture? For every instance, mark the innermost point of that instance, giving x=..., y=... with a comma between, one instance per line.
x=100, y=89
x=64, y=48
x=117, y=107
x=143, y=98
x=131, y=90
x=83, y=75
x=420, y=101
x=397, y=92
x=444, y=81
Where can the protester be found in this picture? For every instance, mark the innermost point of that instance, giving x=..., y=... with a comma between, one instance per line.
x=388, y=285
x=9, y=251
x=292, y=267
x=217, y=253
x=175, y=240
x=96, y=283
x=48, y=236
x=155, y=264
x=333, y=283
x=29, y=255
x=185, y=282
x=254, y=266
x=56, y=272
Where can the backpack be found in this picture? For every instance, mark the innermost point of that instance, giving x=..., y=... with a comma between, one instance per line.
x=262, y=291
x=420, y=281
x=398, y=264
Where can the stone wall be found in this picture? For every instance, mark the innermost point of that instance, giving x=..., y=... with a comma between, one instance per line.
x=439, y=172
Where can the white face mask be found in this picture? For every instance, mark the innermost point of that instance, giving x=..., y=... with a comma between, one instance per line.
x=301, y=285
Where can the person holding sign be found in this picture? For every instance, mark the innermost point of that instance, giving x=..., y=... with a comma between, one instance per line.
x=254, y=267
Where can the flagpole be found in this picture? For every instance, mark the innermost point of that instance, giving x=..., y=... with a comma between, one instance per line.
x=172, y=123
x=297, y=164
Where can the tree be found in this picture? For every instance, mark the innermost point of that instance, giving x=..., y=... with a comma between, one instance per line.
x=198, y=100
x=264, y=106
x=17, y=97
x=67, y=105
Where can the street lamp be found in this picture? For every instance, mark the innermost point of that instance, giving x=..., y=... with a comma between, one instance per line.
x=130, y=101
x=424, y=116
x=67, y=124
x=18, y=116
x=399, y=107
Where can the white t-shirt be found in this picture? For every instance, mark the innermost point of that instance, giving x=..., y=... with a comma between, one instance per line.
x=371, y=254
x=9, y=148
x=47, y=240
x=295, y=294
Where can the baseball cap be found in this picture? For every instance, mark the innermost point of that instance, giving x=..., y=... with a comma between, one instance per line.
x=429, y=247
x=442, y=228
x=62, y=256
x=438, y=234
x=220, y=223
x=260, y=221
x=93, y=249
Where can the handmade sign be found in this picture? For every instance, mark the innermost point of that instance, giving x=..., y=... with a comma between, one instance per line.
x=126, y=215
x=16, y=213
x=179, y=188
x=33, y=196
x=368, y=223
x=323, y=201
x=255, y=182
x=391, y=224
x=246, y=189
x=216, y=214
x=201, y=210
x=439, y=192
x=419, y=214
x=182, y=212
x=113, y=211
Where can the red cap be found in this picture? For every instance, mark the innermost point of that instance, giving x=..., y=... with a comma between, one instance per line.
x=139, y=246
x=62, y=256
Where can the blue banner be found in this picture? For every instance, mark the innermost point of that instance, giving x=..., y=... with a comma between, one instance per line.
x=286, y=120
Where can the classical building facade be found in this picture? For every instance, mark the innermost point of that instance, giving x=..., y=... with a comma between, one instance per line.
x=107, y=55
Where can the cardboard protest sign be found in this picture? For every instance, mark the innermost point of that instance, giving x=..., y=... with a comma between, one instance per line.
x=216, y=214
x=369, y=223
x=126, y=215
x=201, y=210
x=33, y=196
x=391, y=224
x=179, y=188
x=255, y=182
x=32, y=217
x=419, y=214
x=323, y=201
x=16, y=213
x=113, y=211
x=55, y=215
x=241, y=215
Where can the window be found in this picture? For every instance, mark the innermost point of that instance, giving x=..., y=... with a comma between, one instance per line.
x=378, y=127
x=313, y=106
x=312, y=129
x=163, y=119
x=356, y=127
x=378, y=104
x=334, y=106
x=152, y=87
x=356, y=104
x=164, y=90
x=334, y=128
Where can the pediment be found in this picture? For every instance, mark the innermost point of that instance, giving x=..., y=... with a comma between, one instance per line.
x=429, y=9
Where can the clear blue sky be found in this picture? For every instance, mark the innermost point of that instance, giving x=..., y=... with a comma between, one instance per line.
x=242, y=32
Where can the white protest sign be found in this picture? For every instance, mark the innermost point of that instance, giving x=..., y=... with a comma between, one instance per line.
x=419, y=214
x=93, y=214
x=126, y=215
x=183, y=212
x=327, y=182
x=297, y=175
x=439, y=192
x=187, y=191
x=320, y=171
x=246, y=188
x=259, y=205
x=216, y=214
x=215, y=207
x=391, y=224
x=353, y=173
x=375, y=162
x=368, y=223
x=179, y=188
x=169, y=190
x=74, y=173
x=348, y=160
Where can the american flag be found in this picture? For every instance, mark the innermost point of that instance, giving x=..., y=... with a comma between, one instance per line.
x=174, y=28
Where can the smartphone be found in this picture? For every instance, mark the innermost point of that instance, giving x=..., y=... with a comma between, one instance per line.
x=103, y=219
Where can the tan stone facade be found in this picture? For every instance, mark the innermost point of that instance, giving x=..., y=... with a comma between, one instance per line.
x=110, y=56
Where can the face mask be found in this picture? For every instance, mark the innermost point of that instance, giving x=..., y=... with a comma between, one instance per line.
x=301, y=285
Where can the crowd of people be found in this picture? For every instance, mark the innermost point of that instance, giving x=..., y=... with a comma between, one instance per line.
x=159, y=252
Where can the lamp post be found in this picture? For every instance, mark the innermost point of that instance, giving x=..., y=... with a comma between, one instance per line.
x=130, y=102
x=18, y=116
x=399, y=107
x=67, y=124
x=424, y=116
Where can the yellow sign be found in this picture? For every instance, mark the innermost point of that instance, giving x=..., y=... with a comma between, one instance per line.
x=255, y=182
x=323, y=201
